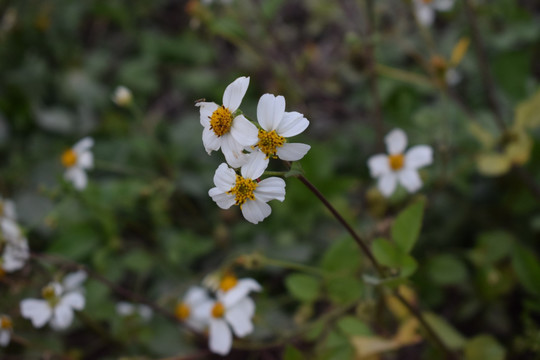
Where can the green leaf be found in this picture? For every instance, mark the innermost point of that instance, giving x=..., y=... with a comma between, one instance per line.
x=292, y=353
x=484, y=347
x=303, y=287
x=342, y=256
x=352, y=326
x=408, y=266
x=446, y=269
x=449, y=336
x=75, y=242
x=345, y=290
x=527, y=269
x=386, y=252
x=491, y=247
x=406, y=228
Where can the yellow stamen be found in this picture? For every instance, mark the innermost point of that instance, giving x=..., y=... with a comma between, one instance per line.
x=182, y=311
x=49, y=294
x=221, y=121
x=69, y=158
x=218, y=310
x=5, y=323
x=396, y=161
x=243, y=190
x=269, y=142
x=228, y=282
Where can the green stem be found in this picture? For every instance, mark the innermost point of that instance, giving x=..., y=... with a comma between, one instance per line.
x=292, y=265
x=275, y=173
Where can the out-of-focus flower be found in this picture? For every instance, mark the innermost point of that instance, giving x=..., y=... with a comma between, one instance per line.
x=245, y=190
x=60, y=300
x=6, y=328
x=7, y=210
x=14, y=247
x=186, y=309
x=224, y=127
x=446, y=71
x=233, y=289
x=122, y=96
x=77, y=160
x=425, y=9
x=126, y=309
x=399, y=166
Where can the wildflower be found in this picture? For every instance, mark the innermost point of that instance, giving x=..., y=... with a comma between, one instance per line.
x=399, y=166
x=122, y=96
x=7, y=210
x=126, y=309
x=6, y=328
x=425, y=9
x=15, y=247
x=224, y=128
x=76, y=160
x=186, y=309
x=245, y=190
x=276, y=126
x=59, y=302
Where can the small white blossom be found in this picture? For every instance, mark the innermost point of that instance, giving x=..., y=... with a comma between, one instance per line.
x=60, y=300
x=126, y=309
x=186, y=309
x=223, y=128
x=7, y=210
x=77, y=160
x=425, y=9
x=234, y=289
x=399, y=166
x=122, y=96
x=15, y=250
x=245, y=190
x=6, y=328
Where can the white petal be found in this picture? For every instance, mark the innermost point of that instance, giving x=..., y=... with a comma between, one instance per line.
x=195, y=295
x=410, y=179
x=396, y=141
x=378, y=165
x=10, y=230
x=220, y=340
x=73, y=281
x=73, y=300
x=234, y=93
x=203, y=310
x=244, y=132
x=255, y=211
x=77, y=177
x=452, y=77
x=239, y=317
x=443, y=5
x=292, y=124
x=86, y=160
x=83, y=145
x=5, y=336
x=222, y=199
x=233, y=151
x=255, y=165
x=292, y=152
x=38, y=311
x=224, y=177
x=125, y=308
x=62, y=317
x=387, y=183
x=9, y=209
x=418, y=156
x=269, y=189
x=145, y=312
x=425, y=14
x=270, y=111
x=206, y=111
x=240, y=291
x=210, y=140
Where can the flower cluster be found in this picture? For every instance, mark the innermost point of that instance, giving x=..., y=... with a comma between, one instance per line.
x=248, y=147
x=231, y=311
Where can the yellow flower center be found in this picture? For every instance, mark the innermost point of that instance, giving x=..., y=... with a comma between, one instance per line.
x=69, y=158
x=218, y=310
x=396, y=161
x=5, y=323
x=243, y=190
x=182, y=311
x=228, y=282
x=49, y=294
x=221, y=121
x=269, y=142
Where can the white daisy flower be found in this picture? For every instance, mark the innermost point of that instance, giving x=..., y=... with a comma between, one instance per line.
x=60, y=300
x=225, y=130
x=126, y=309
x=278, y=125
x=245, y=190
x=15, y=247
x=235, y=289
x=6, y=328
x=425, y=9
x=186, y=309
x=77, y=160
x=226, y=313
x=399, y=166
x=122, y=96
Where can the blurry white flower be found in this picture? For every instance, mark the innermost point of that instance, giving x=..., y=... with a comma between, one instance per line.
x=225, y=130
x=425, y=9
x=125, y=308
x=277, y=125
x=233, y=289
x=14, y=247
x=7, y=210
x=60, y=300
x=77, y=160
x=452, y=76
x=399, y=166
x=186, y=309
x=6, y=328
x=122, y=96
x=226, y=313
x=245, y=190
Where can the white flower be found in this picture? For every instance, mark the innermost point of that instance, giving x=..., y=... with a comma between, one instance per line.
x=235, y=289
x=59, y=302
x=425, y=9
x=277, y=125
x=245, y=190
x=125, y=308
x=6, y=328
x=122, y=96
x=227, y=312
x=223, y=128
x=399, y=166
x=186, y=309
x=77, y=160
x=7, y=210
x=15, y=247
